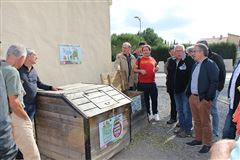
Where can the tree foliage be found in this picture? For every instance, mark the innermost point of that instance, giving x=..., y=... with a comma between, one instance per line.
x=225, y=49
x=118, y=40
x=147, y=35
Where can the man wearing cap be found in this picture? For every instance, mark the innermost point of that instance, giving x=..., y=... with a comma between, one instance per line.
x=222, y=76
x=125, y=62
x=201, y=91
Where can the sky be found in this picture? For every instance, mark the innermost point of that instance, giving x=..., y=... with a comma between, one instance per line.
x=181, y=20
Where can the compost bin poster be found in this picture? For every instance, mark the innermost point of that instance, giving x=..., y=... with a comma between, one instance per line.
x=111, y=131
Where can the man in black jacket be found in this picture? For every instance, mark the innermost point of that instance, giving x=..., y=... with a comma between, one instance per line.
x=170, y=66
x=182, y=73
x=201, y=91
x=222, y=76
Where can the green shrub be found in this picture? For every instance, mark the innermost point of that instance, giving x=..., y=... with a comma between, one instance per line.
x=225, y=49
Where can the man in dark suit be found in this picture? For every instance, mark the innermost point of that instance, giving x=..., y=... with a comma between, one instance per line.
x=201, y=92
x=222, y=76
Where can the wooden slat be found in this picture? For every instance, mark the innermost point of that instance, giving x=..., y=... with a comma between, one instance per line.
x=101, y=99
x=87, y=106
x=80, y=101
x=72, y=120
x=118, y=97
x=118, y=79
x=98, y=153
x=56, y=105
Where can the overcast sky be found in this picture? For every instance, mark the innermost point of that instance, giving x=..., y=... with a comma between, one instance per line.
x=181, y=20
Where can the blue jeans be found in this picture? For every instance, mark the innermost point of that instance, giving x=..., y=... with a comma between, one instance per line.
x=184, y=112
x=229, y=130
x=8, y=148
x=215, y=115
x=31, y=110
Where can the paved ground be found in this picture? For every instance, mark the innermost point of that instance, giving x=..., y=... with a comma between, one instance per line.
x=157, y=141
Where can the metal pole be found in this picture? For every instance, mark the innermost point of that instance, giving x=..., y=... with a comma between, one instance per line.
x=140, y=23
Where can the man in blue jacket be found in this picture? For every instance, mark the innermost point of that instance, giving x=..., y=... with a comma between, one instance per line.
x=201, y=92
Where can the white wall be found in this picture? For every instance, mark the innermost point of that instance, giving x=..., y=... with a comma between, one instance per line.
x=43, y=25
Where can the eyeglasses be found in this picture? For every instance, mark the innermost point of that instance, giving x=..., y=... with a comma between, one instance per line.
x=194, y=51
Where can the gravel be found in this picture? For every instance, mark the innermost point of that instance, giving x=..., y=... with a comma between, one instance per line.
x=157, y=141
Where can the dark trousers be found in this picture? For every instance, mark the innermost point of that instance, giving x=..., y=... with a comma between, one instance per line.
x=173, y=112
x=150, y=90
x=229, y=130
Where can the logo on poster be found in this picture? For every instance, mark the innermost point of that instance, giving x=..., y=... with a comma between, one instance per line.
x=117, y=128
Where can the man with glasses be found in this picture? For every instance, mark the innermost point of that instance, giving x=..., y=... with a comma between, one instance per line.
x=222, y=76
x=31, y=82
x=182, y=72
x=201, y=91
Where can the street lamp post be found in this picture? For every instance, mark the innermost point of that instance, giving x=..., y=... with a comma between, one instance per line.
x=140, y=22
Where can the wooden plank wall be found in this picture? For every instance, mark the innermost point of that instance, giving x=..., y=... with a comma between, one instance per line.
x=96, y=152
x=139, y=119
x=59, y=130
x=118, y=79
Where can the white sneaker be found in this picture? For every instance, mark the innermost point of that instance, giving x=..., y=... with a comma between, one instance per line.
x=150, y=117
x=156, y=117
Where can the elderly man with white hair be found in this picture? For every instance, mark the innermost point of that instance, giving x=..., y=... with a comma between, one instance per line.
x=182, y=73
x=21, y=123
x=8, y=148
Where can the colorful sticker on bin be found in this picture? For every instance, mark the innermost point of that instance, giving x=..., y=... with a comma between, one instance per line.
x=136, y=104
x=110, y=131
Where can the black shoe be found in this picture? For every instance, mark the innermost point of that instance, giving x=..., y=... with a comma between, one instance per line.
x=194, y=143
x=171, y=121
x=178, y=125
x=178, y=131
x=205, y=149
x=184, y=134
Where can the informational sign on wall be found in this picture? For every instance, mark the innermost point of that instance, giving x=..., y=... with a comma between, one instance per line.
x=136, y=104
x=70, y=54
x=110, y=131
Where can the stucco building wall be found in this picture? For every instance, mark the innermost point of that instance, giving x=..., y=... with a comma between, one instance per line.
x=43, y=25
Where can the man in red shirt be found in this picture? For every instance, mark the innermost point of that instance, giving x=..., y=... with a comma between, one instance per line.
x=146, y=66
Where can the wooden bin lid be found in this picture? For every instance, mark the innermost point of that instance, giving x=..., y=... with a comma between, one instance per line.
x=90, y=99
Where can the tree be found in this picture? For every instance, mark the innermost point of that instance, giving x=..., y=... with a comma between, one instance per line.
x=118, y=40
x=152, y=38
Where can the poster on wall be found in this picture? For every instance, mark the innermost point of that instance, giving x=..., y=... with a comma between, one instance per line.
x=70, y=54
x=136, y=104
x=110, y=131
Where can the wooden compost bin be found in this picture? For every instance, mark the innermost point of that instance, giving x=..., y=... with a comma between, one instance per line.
x=82, y=121
x=139, y=118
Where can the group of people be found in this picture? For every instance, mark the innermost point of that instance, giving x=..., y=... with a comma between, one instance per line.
x=195, y=77
x=140, y=70
x=19, y=82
